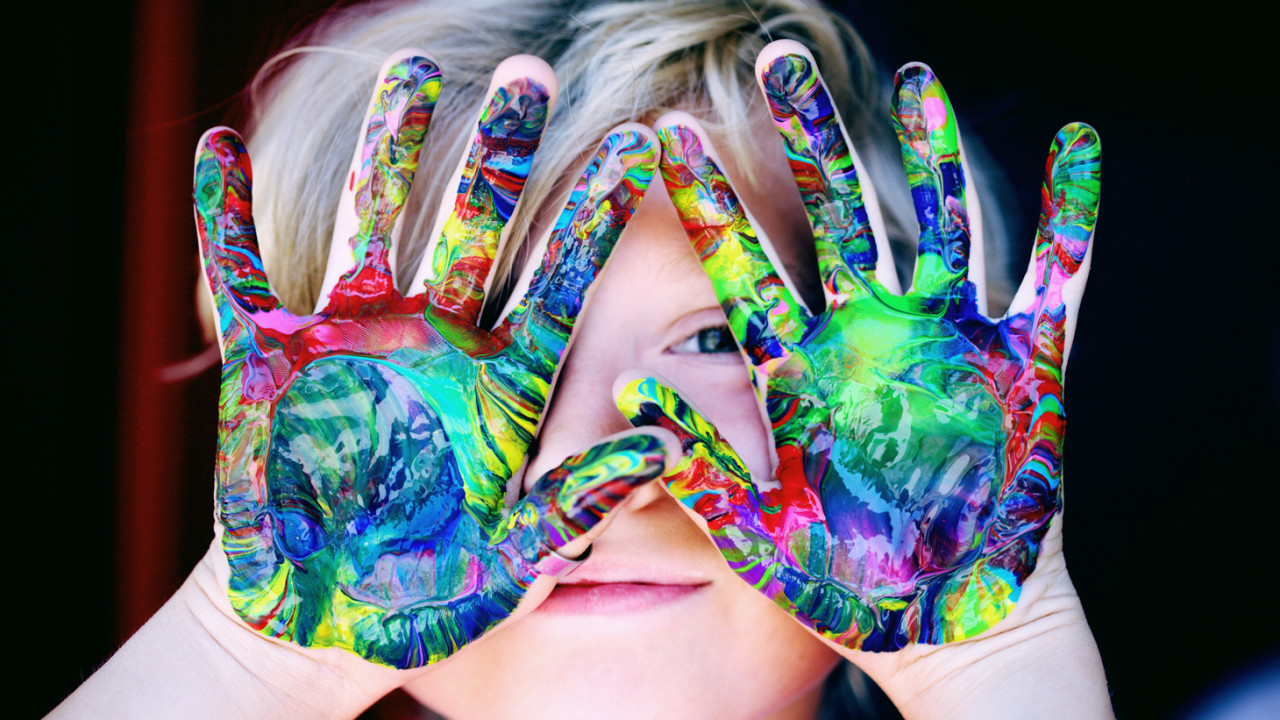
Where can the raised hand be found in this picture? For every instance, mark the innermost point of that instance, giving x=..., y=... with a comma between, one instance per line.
x=365, y=450
x=918, y=442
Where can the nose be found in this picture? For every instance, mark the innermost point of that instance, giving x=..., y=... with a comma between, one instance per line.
x=614, y=334
x=581, y=413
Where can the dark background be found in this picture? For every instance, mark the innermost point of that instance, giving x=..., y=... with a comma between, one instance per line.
x=1171, y=489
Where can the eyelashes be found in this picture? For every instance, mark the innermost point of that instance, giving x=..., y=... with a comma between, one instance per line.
x=711, y=340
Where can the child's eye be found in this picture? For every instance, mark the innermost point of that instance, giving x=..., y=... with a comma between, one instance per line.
x=715, y=339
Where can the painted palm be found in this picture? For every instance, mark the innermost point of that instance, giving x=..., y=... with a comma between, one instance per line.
x=918, y=442
x=365, y=450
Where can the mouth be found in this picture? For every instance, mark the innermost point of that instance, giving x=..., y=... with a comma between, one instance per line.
x=615, y=598
x=613, y=585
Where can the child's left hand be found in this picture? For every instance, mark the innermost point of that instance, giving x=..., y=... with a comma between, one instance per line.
x=918, y=442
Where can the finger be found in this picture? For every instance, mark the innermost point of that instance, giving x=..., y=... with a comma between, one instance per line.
x=224, y=222
x=490, y=179
x=1060, y=260
x=711, y=480
x=537, y=330
x=359, y=273
x=571, y=500
x=977, y=235
x=842, y=212
x=764, y=315
x=926, y=128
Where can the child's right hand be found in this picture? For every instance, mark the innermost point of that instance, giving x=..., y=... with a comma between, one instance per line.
x=365, y=450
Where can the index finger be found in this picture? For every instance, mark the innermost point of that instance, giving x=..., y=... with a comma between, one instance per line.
x=763, y=312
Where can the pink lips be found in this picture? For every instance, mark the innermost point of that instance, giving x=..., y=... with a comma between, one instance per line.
x=612, y=598
x=603, y=587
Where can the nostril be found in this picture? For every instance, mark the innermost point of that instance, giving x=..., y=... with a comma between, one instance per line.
x=645, y=495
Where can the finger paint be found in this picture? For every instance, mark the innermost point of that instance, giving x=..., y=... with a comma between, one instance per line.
x=918, y=442
x=493, y=177
x=365, y=451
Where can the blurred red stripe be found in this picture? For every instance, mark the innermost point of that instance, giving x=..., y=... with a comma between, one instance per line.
x=156, y=311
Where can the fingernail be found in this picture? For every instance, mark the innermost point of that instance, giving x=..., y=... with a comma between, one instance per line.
x=791, y=83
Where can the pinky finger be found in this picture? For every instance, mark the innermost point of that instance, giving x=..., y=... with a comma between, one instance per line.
x=1068, y=213
x=224, y=222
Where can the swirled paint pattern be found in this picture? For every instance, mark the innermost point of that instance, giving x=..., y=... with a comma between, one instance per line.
x=918, y=442
x=493, y=177
x=823, y=169
x=365, y=450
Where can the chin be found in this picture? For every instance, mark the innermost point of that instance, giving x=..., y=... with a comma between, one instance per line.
x=700, y=656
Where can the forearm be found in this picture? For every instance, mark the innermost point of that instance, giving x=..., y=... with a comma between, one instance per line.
x=192, y=659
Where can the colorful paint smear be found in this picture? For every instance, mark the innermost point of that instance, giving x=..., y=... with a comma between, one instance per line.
x=493, y=177
x=918, y=442
x=365, y=450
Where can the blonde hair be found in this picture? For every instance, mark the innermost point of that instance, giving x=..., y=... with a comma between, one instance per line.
x=615, y=61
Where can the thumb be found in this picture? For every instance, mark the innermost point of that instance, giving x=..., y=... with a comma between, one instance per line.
x=711, y=479
x=569, y=501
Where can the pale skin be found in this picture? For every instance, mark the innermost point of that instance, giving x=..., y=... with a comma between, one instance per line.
x=723, y=651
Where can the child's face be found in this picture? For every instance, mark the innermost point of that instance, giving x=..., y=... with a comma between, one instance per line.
x=654, y=623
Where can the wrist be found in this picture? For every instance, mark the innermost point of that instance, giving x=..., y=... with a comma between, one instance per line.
x=194, y=658
x=1040, y=661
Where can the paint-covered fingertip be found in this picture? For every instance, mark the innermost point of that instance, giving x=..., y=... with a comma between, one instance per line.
x=412, y=57
x=218, y=135
x=633, y=390
x=913, y=72
x=407, y=88
x=222, y=180
x=682, y=136
x=791, y=82
x=641, y=142
x=622, y=169
x=223, y=144
x=1068, y=206
x=650, y=401
x=630, y=392
x=777, y=52
x=1078, y=137
x=633, y=457
x=584, y=488
x=684, y=151
x=1073, y=172
x=921, y=103
x=527, y=67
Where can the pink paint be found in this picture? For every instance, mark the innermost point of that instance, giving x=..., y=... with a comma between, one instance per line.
x=935, y=112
